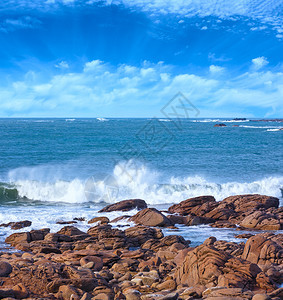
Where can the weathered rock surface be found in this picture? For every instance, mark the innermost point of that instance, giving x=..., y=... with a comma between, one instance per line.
x=192, y=205
x=262, y=221
x=125, y=205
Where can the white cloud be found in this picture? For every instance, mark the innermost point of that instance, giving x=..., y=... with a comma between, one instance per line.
x=140, y=91
x=204, y=28
x=62, y=65
x=259, y=62
x=216, y=69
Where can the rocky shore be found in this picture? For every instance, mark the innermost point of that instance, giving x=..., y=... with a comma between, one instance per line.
x=139, y=262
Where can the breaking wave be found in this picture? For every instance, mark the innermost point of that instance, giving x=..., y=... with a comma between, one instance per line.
x=130, y=180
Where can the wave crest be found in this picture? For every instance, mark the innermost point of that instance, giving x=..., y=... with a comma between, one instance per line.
x=134, y=180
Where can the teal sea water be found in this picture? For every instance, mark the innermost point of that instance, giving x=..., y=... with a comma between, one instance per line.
x=58, y=169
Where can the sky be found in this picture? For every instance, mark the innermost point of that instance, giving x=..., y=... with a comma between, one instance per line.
x=127, y=58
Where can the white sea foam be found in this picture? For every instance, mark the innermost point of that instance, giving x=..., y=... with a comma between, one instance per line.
x=102, y=119
x=275, y=129
x=261, y=127
x=219, y=120
x=132, y=180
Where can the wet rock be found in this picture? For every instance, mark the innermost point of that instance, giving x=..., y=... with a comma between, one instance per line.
x=150, y=217
x=197, y=220
x=17, y=238
x=80, y=219
x=101, y=220
x=17, y=225
x=5, y=269
x=66, y=222
x=125, y=205
x=191, y=205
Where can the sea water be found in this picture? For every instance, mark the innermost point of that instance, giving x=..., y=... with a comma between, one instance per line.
x=59, y=169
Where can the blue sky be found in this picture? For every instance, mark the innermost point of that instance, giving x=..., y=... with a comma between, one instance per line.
x=72, y=58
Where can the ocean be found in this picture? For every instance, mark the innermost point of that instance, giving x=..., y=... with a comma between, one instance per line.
x=59, y=169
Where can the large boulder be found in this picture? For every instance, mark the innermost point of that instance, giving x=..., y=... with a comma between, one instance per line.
x=193, y=206
x=206, y=265
x=262, y=250
x=245, y=203
x=17, y=238
x=71, y=231
x=125, y=205
x=150, y=217
x=262, y=221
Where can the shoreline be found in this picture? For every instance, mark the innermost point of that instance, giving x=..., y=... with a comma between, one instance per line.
x=140, y=262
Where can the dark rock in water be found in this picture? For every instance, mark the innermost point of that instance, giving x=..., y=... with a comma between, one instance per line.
x=5, y=269
x=235, y=125
x=120, y=218
x=17, y=225
x=125, y=205
x=239, y=119
x=81, y=219
x=151, y=217
x=66, y=222
x=220, y=125
x=244, y=236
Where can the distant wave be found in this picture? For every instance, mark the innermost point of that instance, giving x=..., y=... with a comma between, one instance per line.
x=128, y=182
x=164, y=120
x=102, y=119
x=277, y=129
x=219, y=120
x=261, y=127
x=70, y=120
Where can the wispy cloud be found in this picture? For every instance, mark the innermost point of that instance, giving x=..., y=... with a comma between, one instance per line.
x=261, y=12
x=11, y=24
x=126, y=90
